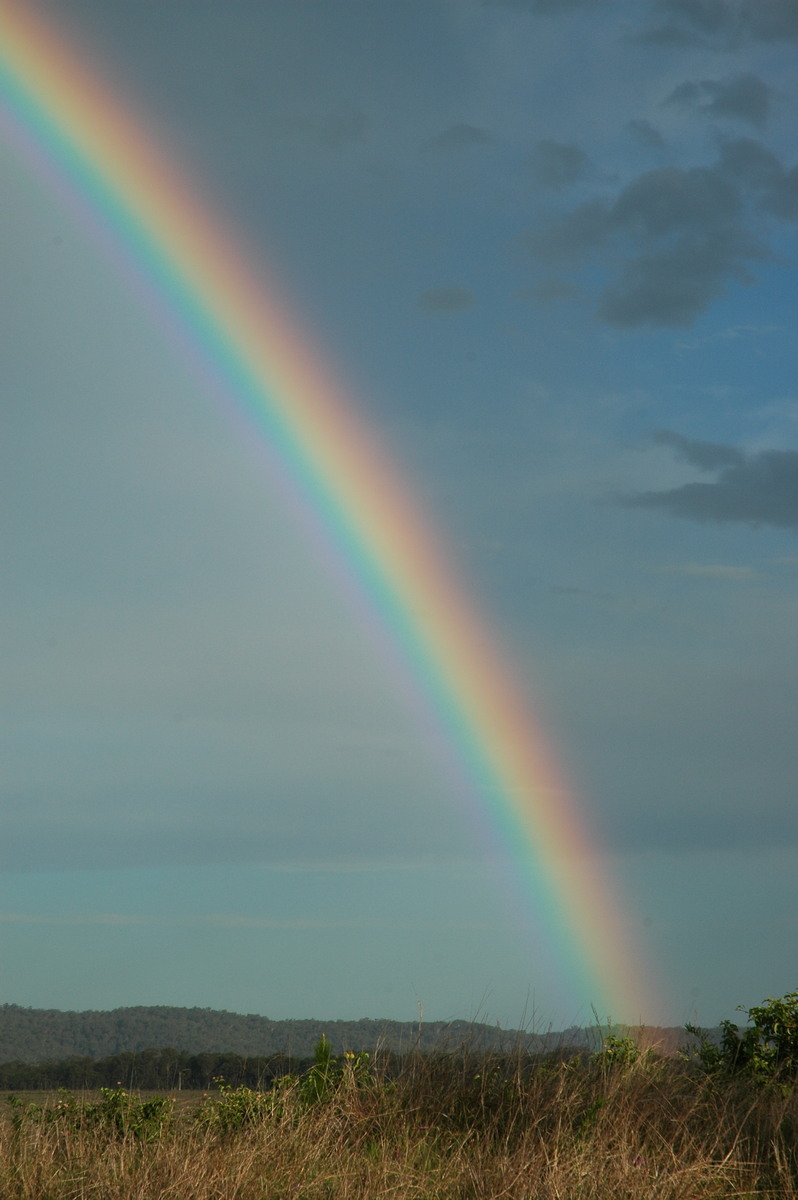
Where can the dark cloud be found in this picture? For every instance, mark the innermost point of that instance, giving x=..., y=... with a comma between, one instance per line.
x=673, y=286
x=646, y=133
x=332, y=131
x=457, y=137
x=557, y=165
x=758, y=168
x=669, y=36
x=569, y=240
x=782, y=200
x=542, y=6
x=670, y=200
x=710, y=16
x=751, y=162
x=725, y=23
x=673, y=239
x=661, y=203
x=690, y=219
x=687, y=22
x=445, y=300
x=770, y=20
x=708, y=456
x=743, y=97
x=552, y=290
x=758, y=488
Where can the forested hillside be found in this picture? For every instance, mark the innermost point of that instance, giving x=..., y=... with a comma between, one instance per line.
x=35, y=1035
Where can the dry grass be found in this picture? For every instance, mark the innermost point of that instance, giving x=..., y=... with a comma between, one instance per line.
x=454, y=1128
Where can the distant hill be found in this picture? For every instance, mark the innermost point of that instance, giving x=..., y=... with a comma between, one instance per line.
x=37, y=1035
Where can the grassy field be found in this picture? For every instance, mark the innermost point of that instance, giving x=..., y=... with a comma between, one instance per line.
x=455, y=1126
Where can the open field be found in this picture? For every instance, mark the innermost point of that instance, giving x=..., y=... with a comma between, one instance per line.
x=456, y=1126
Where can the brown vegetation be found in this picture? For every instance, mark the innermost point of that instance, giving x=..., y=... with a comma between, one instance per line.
x=458, y=1126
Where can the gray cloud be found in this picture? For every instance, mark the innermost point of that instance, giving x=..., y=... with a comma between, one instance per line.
x=782, y=200
x=457, y=137
x=670, y=36
x=128, y=829
x=646, y=133
x=710, y=16
x=673, y=286
x=687, y=22
x=770, y=20
x=580, y=232
x=541, y=6
x=713, y=571
x=557, y=165
x=332, y=131
x=743, y=97
x=552, y=290
x=670, y=200
x=758, y=488
x=758, y=168
x=726, y=23
x=445, y=299
x=674, y=237
x=751, y=162
x=708, y=456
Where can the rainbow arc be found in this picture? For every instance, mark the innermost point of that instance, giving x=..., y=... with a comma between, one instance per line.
x=62, y=114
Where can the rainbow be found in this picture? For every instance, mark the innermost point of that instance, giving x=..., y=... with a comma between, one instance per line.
x=61, y=114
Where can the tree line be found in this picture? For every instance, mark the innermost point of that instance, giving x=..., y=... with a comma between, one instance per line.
x=164, y=1069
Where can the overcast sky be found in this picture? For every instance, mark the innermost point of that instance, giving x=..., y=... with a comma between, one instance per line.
x=550, y=247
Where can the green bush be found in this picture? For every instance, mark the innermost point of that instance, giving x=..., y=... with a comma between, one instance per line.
x=118, y=1112
x=766, y=1049
x=234, y=1108
x=237, y=1108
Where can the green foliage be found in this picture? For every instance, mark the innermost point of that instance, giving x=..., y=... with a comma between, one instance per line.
x=320, y=1081
x=617, y=1051
x=766, y=1049
x=776, y=1046
x=234, y=1108
x=708, y=1054
x=587, y=1121
x=122, y=1113
x=328, y=1074
x=118, y=1113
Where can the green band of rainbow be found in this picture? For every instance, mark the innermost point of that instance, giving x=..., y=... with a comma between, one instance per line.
x=239, y=329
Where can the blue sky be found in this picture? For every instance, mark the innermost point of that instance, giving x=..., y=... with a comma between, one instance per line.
x=550, y=246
